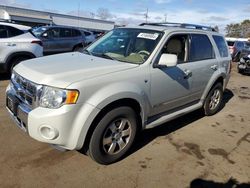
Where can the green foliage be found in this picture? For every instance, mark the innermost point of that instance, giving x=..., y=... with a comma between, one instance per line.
x=237, y=30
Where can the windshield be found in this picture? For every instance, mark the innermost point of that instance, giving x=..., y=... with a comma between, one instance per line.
x=38, y=31
x=126, y=45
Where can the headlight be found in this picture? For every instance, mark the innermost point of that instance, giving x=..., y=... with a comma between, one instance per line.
x=242, y=60
x=55, y=98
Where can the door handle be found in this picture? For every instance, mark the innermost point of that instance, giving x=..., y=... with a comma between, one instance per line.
x=214, y=67
x=11, y=44
x=187, y=74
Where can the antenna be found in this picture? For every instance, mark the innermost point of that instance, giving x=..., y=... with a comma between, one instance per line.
x=146, y=16
x=78, y=14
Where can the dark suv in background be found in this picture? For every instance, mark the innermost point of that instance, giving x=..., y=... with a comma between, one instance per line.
x=57, y=39
x=238, y=48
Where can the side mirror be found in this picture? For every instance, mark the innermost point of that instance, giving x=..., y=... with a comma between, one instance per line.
x=168, y=60
x=45, y=35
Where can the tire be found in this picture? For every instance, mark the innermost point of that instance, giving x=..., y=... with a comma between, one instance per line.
x=239, y=70
x=113, y=135
x=213, y=100
x=15, y=62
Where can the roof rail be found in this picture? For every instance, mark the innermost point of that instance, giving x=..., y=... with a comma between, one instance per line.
x=182, y=25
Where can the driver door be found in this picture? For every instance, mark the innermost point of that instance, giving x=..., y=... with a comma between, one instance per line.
x=171, y=86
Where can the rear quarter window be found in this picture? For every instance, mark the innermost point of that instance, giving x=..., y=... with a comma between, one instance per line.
x=221, y=45
x=3, y=32
x=8, y=31
x=201, y=48
x=14, y=31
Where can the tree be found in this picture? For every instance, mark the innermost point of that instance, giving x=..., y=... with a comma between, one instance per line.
x=103, y=14
x=216, y=28
x=238, y=30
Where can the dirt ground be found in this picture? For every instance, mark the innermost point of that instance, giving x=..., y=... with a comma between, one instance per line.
x=191, y=151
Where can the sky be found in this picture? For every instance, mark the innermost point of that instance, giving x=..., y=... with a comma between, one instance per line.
x=205, y=12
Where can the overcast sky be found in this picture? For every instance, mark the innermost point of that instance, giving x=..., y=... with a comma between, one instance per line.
x=208, y=12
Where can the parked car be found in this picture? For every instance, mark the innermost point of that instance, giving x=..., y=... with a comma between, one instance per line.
x=17, y=44
x=238, y=48
x=244, y=65
x=133, y=78
x=58, y=39
x=89, y=36
x=98, y=34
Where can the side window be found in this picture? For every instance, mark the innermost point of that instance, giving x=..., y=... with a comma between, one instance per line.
x=221, y=45
x=65, y=32
x=86, y=33
x=76, y=33
x=3, y=32
x=53, y=33
x=178, y=45
x=241, y=45
x=201, y=48
x=13, y=31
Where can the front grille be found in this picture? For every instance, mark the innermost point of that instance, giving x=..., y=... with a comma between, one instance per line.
x=25, y=90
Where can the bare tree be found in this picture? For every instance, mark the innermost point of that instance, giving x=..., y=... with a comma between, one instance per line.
x=103, y=14
x=216, y=28
x=239, y=29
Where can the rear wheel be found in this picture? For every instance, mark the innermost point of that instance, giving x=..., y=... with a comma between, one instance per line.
x=239, y=70
x=113, y=136
x=214, y=99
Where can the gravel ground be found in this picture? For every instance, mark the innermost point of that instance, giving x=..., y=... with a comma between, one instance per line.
x=191, y=151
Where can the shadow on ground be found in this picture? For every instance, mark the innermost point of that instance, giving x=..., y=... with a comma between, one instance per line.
x=4, y=77
x=148, y=135
x=231, y=183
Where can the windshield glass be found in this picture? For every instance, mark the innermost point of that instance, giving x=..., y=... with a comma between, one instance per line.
x=38, y=31
x=127, y=45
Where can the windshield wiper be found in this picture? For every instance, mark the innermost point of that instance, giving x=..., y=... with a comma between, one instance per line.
x=106, y=56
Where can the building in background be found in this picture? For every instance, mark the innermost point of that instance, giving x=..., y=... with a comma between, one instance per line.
x=38, y=18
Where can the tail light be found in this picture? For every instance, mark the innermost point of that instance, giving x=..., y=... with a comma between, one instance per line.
x=37, y=42
x=232, y=49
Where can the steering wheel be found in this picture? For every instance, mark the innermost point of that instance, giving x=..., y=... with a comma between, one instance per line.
x=144, y=52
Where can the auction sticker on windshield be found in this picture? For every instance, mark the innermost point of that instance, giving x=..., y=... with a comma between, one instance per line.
x=151, y=36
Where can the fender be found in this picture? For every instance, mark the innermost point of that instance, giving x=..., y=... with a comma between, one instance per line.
x=16, y=54
x=112, y=93
x=211, y=82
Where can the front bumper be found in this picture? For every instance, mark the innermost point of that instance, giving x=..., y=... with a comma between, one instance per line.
x=65, y=127
x=244, y=67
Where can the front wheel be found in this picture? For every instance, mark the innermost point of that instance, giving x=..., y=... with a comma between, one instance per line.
x=113, y=136
x=15, y=62
x=213, y=100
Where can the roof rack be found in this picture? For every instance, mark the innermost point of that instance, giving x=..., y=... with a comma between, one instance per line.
x=182, y=25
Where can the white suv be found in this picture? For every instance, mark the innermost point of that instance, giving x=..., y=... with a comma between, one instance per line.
x=133, y=78
x=17, y=44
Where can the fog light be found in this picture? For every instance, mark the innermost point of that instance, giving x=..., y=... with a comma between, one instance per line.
x=48, y=132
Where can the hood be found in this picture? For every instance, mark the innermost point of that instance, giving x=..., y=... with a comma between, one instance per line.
x=64, y=69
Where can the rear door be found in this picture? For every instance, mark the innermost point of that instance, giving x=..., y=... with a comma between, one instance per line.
x=203, y=62
x=66, y=42
x=3, y=41
x=9, y=44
